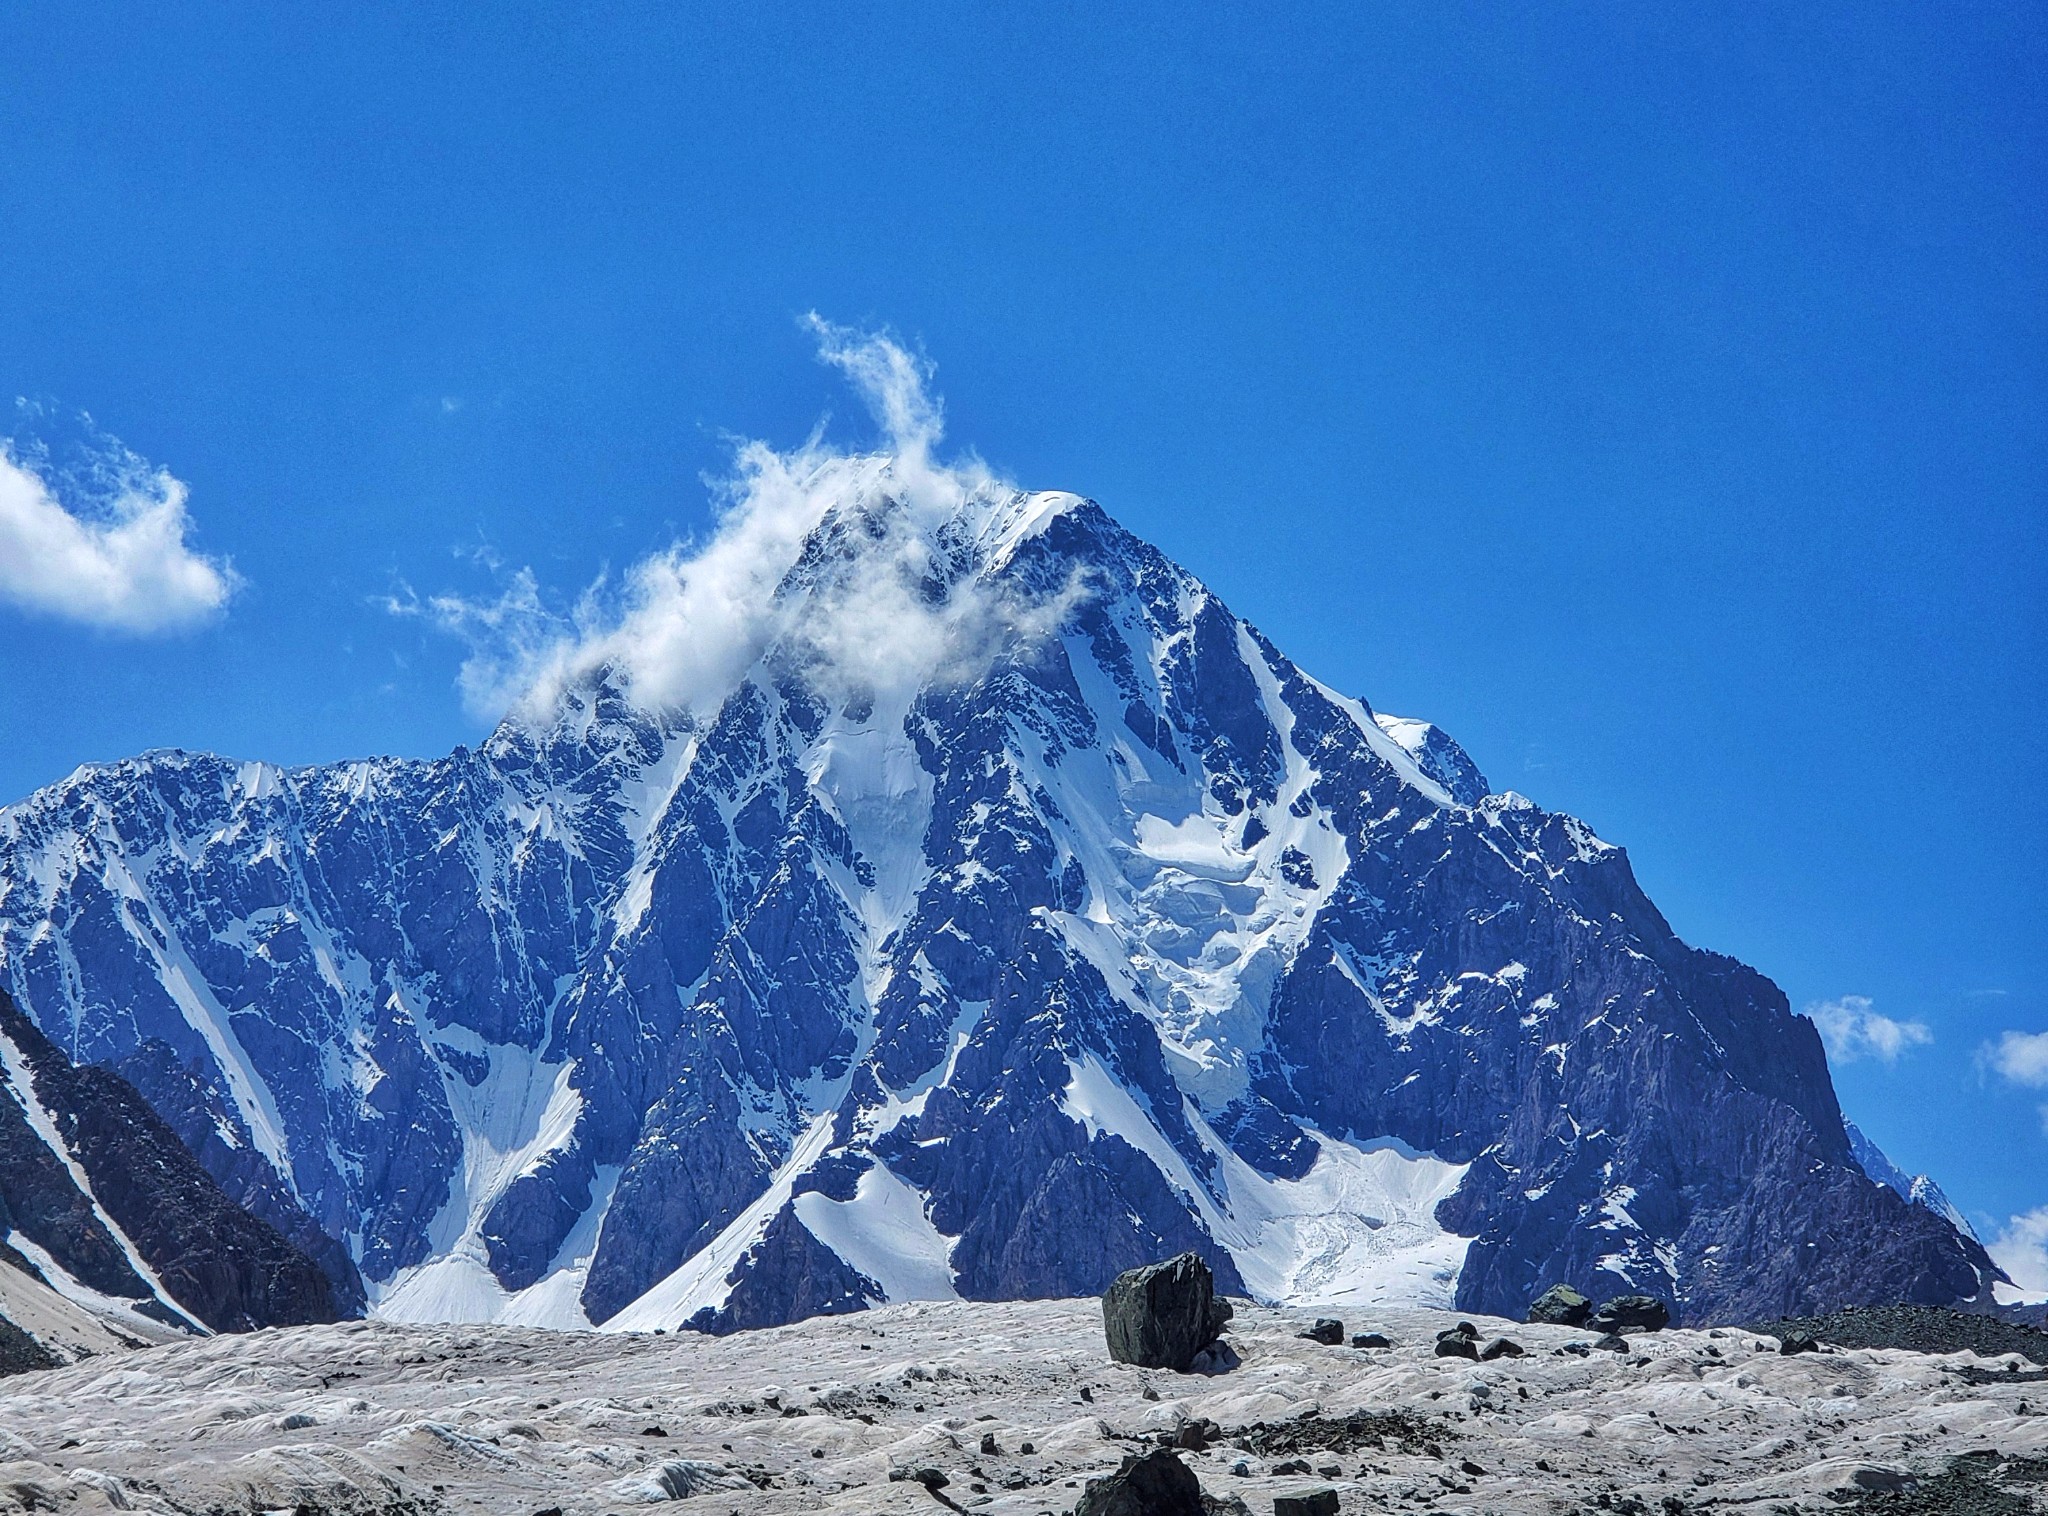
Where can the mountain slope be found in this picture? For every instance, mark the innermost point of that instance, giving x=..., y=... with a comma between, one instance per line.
x=1081, y=928
x=102, y=1203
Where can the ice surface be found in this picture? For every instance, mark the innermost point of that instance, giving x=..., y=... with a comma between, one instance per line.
x=364, y=1415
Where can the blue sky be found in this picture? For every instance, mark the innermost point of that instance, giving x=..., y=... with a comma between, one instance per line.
x=1655, y=396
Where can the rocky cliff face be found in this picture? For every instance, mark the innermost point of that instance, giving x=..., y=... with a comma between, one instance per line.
x=1112, y=936
x=102, y=1202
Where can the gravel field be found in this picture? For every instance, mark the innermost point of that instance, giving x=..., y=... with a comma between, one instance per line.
x=1015, y=1406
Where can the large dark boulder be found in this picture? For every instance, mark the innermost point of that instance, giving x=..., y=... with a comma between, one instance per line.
x=1630, y=1313
x=1160, y=1316
x=1560, y=1305
x=1154, y=1484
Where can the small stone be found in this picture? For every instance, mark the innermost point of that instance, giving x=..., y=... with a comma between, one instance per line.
x=989, y=1446
x=1798, y=1342
x=1467, y=1466
x=1372, y=1340
x=1328, y=1330
x=1501, y=1347
x=1027, y=1447
x=931, y=1479
x=1560, y=1305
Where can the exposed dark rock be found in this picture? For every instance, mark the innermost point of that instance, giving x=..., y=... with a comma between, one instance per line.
x=1798, y=1342
x=787, y=1265
x=1327, y=1330
x=1461, y=1341
x=1630, y=1313
x=1308, y=1503
x=20, y=1353
x=1162, y=1315
x=1501, y=1347
x=1372, y=1340
x=1613, y=1342
x=230, y=1270
x=1147, y=1484
x=1560, y=1305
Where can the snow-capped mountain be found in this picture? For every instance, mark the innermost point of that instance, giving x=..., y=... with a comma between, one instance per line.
x=1918, y=1188
x=112, y=1229
x=1007, y=912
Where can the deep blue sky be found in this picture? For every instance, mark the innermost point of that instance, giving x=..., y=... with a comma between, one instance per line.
x=1655, y=396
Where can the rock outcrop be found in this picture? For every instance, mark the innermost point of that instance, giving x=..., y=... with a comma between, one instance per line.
x=112, y=1201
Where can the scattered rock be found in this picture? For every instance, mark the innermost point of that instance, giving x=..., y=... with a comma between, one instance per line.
x=1328, y=1331
x=1372, y=1340
x=1461, y=1341
x=1560, y=1305
x=1630, y=1313
x=1163, y=1315
x=1150, y=1484
x=1798, y=1342
x=1501, y=1347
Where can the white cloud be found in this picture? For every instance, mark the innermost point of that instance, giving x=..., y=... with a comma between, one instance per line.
x=1853, y=1031
x=2021, y=1249
x=119, y=561
x=2021, y=1057
x=891, y=610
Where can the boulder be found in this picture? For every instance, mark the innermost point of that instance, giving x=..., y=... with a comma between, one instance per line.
x=1372, y=1340
x=1461, y=1341
x=1312, y=1503
x=1328, y=1331
x=1613, y=1342
x=1630, y=1313
x=1560, y=1305
x=1163, y=1315
x=1501, y=1347
x=1798, y=1342
x=1152, y=1484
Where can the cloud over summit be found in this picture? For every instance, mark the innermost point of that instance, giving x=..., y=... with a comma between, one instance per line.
x=887, y=598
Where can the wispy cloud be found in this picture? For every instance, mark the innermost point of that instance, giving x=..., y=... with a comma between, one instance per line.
x=1853, y=1031
x=103, y=543
x=2021, y=1249
x=885, y=611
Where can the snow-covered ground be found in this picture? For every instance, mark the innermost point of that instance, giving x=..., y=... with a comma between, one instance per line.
x=377, y=1416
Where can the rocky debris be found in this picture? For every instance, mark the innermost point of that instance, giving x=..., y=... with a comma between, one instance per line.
x=20, y=1353
x=1981, y=1483
x=1630, y=1313
x=1501, y=1347
x=1798, y=1342
x=1372, y=1340
x=1146, y=1484
x=1327, y=1330
x=1560, y=1305
x=1919, y=1329
x=1163, y=1315
x=1313, y=1503
x=1393, y=1431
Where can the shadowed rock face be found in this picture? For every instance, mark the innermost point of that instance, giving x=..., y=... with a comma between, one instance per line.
x=1037, y=972
x=220, y=1265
